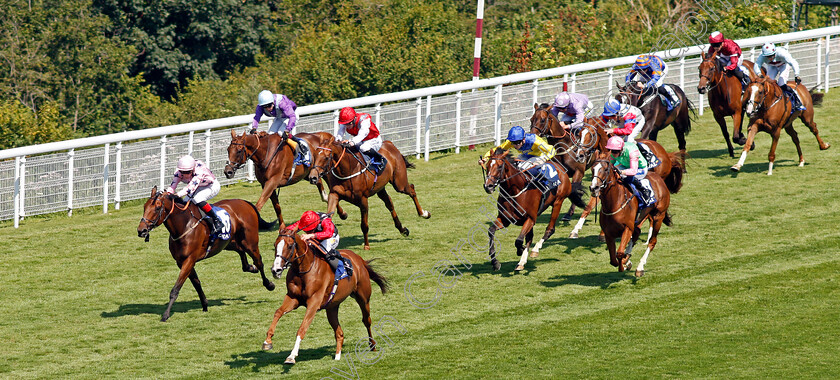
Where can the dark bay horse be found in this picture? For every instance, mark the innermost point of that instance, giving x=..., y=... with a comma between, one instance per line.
x=274, y=166
x=769, y=110
x=656, y=115
x=309, y=283
x=724, y=96
x=618, y=214
x=189, y=237
x=521, y=201
x=575, y=161
x=351, y=179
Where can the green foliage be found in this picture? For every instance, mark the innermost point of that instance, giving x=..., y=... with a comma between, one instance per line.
x=19, y=126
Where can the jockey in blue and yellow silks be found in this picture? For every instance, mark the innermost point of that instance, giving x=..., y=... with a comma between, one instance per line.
x=535, y=150
x=651, y=70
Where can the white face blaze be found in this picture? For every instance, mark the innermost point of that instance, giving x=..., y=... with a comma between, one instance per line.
x=751, y=103
x=596, y=170
x=277, y=268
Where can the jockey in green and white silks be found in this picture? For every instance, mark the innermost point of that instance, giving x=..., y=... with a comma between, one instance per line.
x=778, y=62
x=633, y=167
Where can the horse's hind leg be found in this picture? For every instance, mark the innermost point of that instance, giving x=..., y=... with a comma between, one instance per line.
x=383, y=195
x=186, y=268
x=363, y=207
x=795, y=137
x=332, y=317
x=401, y=184
x=362, y=297
x=549, y=229
x=252, y=249
x=807, y=117
x=197, y=285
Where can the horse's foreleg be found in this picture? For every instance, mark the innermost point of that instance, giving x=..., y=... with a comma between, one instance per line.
x=363, y=207
x=288, y=305
x=312, y=306
x=750, y=137
x=197, y=285
x=277, y=211
x=621, y=255
x=186, y=268
x=325, y=197
x=771, y=156
x=610, y=241
x=408, y=188
x=491, y=233
x=383, y=195
x=721, y=120
x=586, y=211
x=332, y=317
x=521, y=248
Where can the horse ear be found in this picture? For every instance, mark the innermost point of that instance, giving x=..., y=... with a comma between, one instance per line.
x=703, y=54
x=536, y=106
x=232, y=133
x=154, y=191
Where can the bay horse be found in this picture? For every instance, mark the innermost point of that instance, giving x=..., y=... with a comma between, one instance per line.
x=309, y=283
x=351, y=179
x=273, y=162
x=521, y=201
x=769, y=110
x=189, y=237
x=724, y=93
x=656, y=115
x=545, y=124
x=618, y=214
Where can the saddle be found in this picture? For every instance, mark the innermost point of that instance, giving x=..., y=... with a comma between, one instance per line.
x=304, y=159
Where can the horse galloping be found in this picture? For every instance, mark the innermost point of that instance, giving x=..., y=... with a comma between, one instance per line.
x=522, y=200
x=351, y=179
x=769, y=110
x=656, y=115
x=309, y=283
x=189, y=240
x=274, y=163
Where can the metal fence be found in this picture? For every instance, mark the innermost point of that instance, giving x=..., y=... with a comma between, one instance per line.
x=105, y=170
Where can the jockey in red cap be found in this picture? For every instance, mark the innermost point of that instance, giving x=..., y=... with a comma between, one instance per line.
x=729, y=54
x=319, y=227
x=365, y=135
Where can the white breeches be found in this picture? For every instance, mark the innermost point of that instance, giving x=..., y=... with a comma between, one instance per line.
x=374, y=144
x=780, y=74
x=205, y=193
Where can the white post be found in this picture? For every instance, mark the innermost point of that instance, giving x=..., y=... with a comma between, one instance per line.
x=428, y=126
x=535, y=91
x=105, y=179
x=207, y=135
x=335, y=123
x=70, y=170
x=378, y=112
x=682, y=72
x=458, y=122
x=610, y=80
x=574, y=82
x=17, y=192
x=419, y=122
x=162, y=161
x=819, y=63
x=752, y=58
x=117, y=176
x=498, y=122
x=190, y=145
x=23, y=187
x=827, y=50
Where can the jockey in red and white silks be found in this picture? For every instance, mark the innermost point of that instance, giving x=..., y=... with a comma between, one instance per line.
x=630, y=119
x=365, y=135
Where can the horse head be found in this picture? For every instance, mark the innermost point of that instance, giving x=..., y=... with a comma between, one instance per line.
x=755, y=95
x=154, y=213
x=710, y=68
x=543, y=123
x=287, y=251
x=590, y=139
x=497, y=167
x=238, y=152
x=602, y=176
x=322, y=161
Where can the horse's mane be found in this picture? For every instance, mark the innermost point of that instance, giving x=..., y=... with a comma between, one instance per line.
x=544, y=106
x=175, y=198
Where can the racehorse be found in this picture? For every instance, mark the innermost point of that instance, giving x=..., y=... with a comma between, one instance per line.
x=769, y=110
x=351, y=179
x=274, y=167
x=521, y=200
x=309, y=283
x=618, y=214
x=724, y=96
x=545, y=124
x=189, y=240
x=656, y=116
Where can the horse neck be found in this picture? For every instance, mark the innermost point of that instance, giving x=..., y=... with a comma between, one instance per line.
x=515, y=181
x=614, y=186
x=178, y=220
x=307, y=262
x=345, y=162
x=259, y=149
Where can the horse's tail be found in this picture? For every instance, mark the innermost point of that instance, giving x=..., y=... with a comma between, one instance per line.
x=408, y=165
x=693, y=113
x=668, y=221
x=264, y=226
x=674, y=179
x=577, y=194
x=816, y=97
x=380, y=280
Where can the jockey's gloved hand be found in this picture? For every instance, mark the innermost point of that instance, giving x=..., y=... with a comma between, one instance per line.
x=798, y=79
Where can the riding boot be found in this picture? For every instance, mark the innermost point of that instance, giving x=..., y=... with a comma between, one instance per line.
x=301, y=150
x=669, y=93
x=745, y=80
x=215, y=221
x=337, y=265
x=796, y=103
x=376, y=160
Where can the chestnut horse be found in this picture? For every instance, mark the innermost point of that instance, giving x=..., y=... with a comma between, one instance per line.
x=618, y=214
x=189, y=237
x=769, y=110
x=309, y=283
x=545, y=124
x=656, y=116
x=724, y=96
x=274, y=166
x=351, y=179
x=522, y=200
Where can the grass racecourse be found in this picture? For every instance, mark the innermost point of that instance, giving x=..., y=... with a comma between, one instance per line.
x=746, y=284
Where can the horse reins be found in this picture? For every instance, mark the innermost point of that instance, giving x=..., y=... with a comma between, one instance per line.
x=604, y=186
x=152, y=225
x=237, y=165
x=296, y=258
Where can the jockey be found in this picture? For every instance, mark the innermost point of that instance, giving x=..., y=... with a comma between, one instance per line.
x=729, y=54
x=633, y=167
x=630, y=119
x=365, y=135
x=320, y=228
x=574, y=108
x=778, y=62
x=201, y=187
x=652, y=70
x=268, y=104
x=535, y=150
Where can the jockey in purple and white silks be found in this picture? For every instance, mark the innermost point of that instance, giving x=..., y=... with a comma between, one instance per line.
x=651, y=70
x=574, y=108
x=201, y=186
x=778, y=62
x=283, y=110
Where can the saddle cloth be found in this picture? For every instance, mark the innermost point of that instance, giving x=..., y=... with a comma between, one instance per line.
x=546, y=177
x=651, y=159
x=224, y=234
x=304, y=159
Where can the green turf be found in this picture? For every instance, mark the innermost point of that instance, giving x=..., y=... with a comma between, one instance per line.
x=744, y=285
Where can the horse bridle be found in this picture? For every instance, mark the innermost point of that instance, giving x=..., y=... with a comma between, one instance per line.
x=711, y=79
x=338, y=161
x=606, y=183
x=760, y=104
x=238, y=165
x=544, y=131
x=288, y=262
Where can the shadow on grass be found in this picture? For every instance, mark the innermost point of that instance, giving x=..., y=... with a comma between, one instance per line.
x=602, y=280
x=260, y=359
x=177, y=307
x=753, y=167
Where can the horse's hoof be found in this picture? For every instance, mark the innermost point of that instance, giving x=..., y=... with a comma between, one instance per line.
x=164, y=317
x=735, y=168
x=289, y=360
x=640, y=273
x=252, y=269
x=566, y=218
x=534, y=254
x=519, y=268
x=752, y=147
x=826, y=146
x=343, y=216
x=267, y=346
x=426, y=214
x=496, y=265
x=573, y=235
x=602, y=239
x=404, y=231
x=629, y=265
x=270, y=286
x=367, y=247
